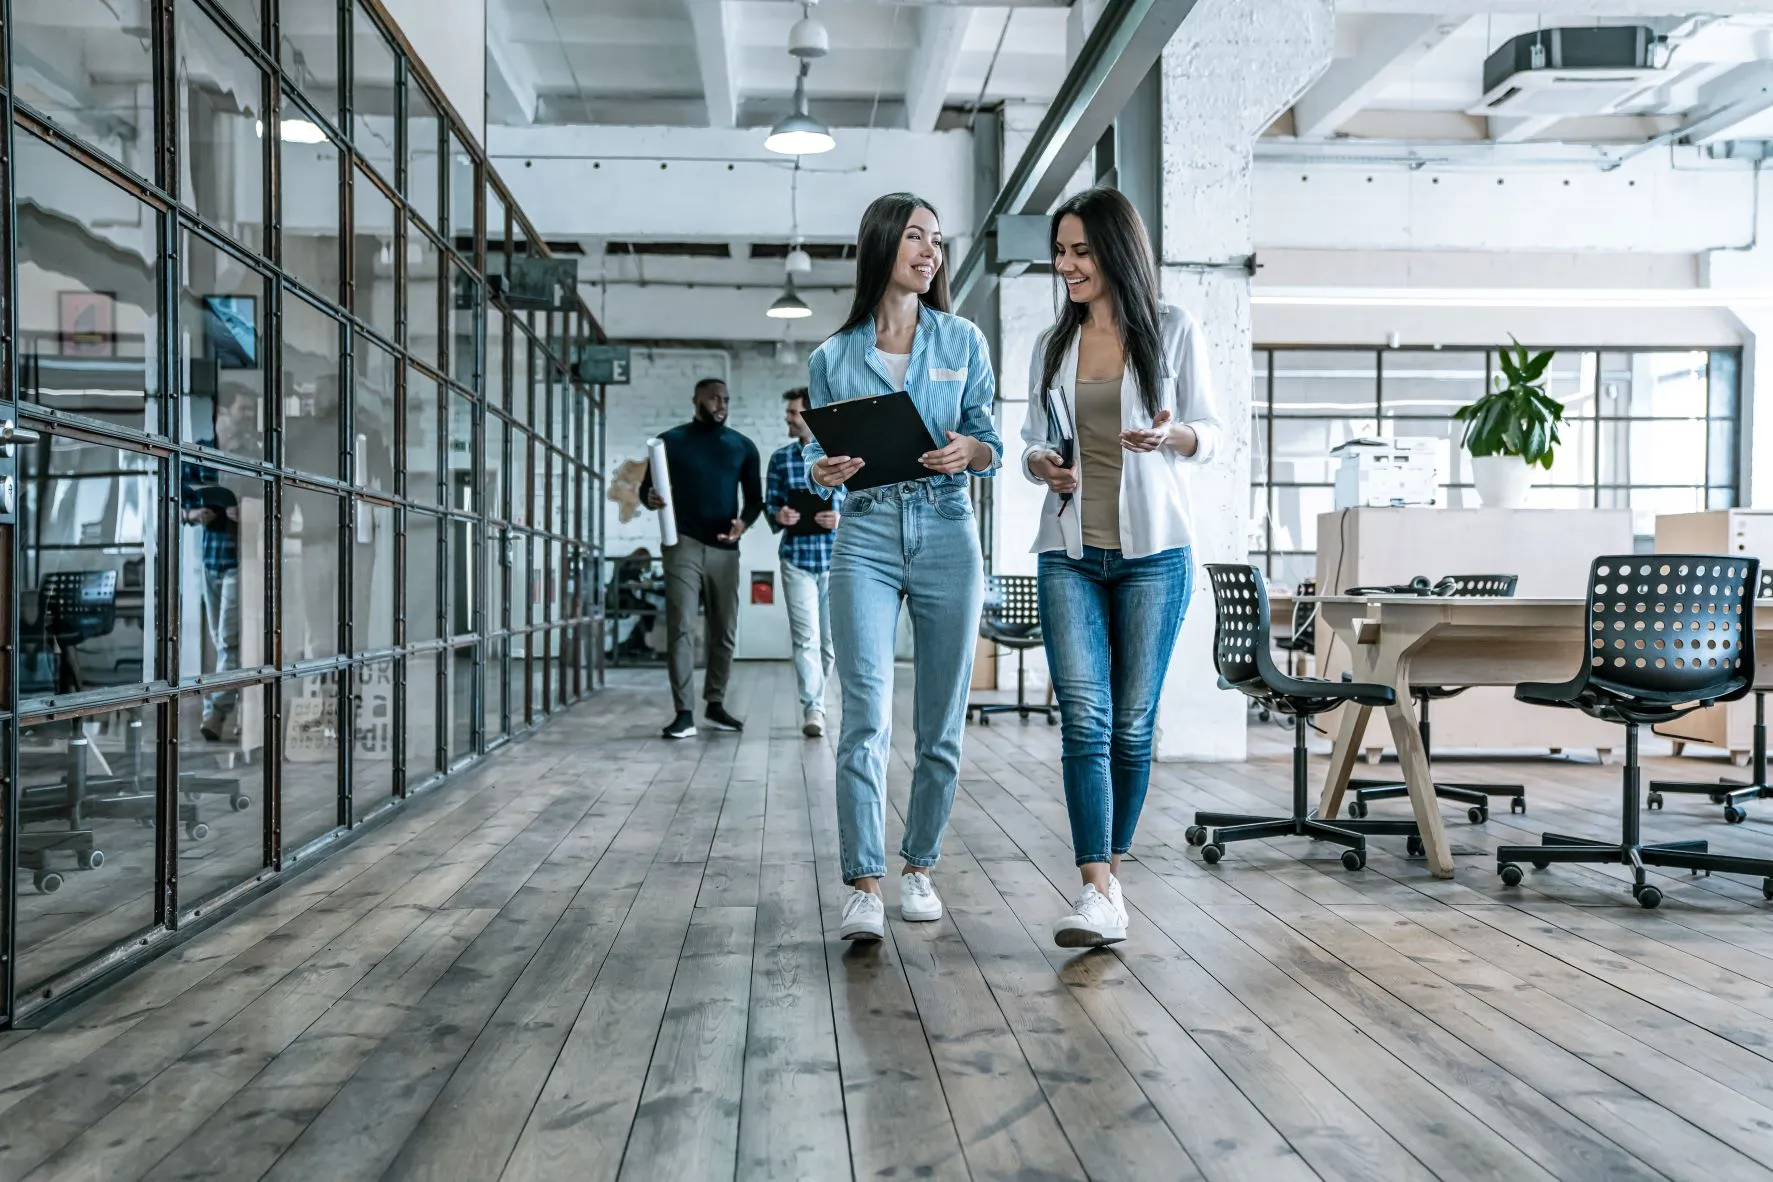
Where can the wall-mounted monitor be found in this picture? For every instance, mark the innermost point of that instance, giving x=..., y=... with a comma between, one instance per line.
x=230, y=330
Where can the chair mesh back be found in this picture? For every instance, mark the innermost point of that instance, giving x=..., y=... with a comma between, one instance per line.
x=1484, y=586
x=82, y=602
x=1671, y=627
x=1012, y=599
x=1240, y=602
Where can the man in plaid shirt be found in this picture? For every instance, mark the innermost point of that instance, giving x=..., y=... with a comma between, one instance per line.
x=806, y=560
x=205, y=502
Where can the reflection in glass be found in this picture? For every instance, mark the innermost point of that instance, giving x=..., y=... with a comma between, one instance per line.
x=222, y=314
x=86, y=801
x=423, y=171
x=496, y=432
x=464, y=311
x=422, y=269
x=372, y=451
x=461, y=189
x=517, y=681
x=461, y=699
x=461, y=566
x=495, y=356
x=310, y=573
x=463, y=472
x=372, y=731
x=93, y=77
x=492, y=699
x=423, y=412
x=373, y=267
x=372, y=577
x=88, y=553
x=520, y=350
x=247, y=15
x=495, y=580
x=422, y=566
x=310, y=389
x=308, y=44
x=372, y=92
x=1431, y=385
x=310, y=758
x=522, y=495
x=87, y=281
x=497, y=234
x=421, y=719
x=311, y=185
x=222, y=593
x=223, y=784
x=538, y=675
x=1326, y=382
x=221, y=113
x=518, y=551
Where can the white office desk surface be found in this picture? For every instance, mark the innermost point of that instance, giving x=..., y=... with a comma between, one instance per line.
x=1404, y=640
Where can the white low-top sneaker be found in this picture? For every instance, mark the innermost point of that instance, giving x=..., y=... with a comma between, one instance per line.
x=1119, y=900
x=918, y=901
x=1093, y=922
x=864, y=917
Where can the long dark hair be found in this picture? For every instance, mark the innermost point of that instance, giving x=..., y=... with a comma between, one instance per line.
x=1122, y=251
x=877, y=253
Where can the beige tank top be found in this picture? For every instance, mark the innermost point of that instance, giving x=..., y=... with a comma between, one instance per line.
x=1099, y=451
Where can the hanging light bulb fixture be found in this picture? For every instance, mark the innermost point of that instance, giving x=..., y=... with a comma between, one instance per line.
x=789, y=305
x=799, y=261
x=799, y=134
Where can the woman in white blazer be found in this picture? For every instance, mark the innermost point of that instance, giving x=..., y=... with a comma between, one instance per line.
x=1120, y=405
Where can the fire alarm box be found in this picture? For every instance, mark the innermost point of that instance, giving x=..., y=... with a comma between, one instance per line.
x=763, y=586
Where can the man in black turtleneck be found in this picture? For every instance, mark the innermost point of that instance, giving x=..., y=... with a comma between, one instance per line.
x=710, y=465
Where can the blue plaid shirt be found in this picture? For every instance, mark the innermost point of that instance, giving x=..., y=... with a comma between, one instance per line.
x=200, y=488
x=788, y=471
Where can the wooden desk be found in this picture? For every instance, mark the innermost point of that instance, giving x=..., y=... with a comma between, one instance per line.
x=1399, y=641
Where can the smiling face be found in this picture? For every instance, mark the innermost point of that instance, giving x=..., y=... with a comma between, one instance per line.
x=711, y=402
x=920, y=253
x=1075, y=263
x=796, y=425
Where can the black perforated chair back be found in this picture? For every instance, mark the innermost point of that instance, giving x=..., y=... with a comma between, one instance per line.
x=1012, y=610
x=1240, y=629
x=78, y=605
x=1672, y=628
x=1483, y=586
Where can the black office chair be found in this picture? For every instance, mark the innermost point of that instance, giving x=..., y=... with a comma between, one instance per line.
x=1242, y=655
x=1669, y=634
x=1727, y=792
x=1475, y=795
x=1012, y=619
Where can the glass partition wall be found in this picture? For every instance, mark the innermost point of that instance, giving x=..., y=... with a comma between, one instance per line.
x=1650, y=430
x=297, y=504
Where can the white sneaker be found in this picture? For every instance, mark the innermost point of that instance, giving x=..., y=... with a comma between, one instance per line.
x=1093, y=922
x=1115, y=897
x=815, y=724
x=864, y=917
x=918, y=901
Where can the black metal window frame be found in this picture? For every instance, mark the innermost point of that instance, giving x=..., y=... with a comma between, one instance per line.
x=561, y=656
x=1718, y=493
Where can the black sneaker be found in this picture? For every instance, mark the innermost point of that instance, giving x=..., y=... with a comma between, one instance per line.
x=716, y=713
x=682, y=727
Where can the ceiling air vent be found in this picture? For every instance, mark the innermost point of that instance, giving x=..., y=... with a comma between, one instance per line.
x=1568, y=72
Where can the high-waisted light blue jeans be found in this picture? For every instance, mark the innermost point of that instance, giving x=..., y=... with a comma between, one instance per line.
x=916, y=543
x=1110, y=624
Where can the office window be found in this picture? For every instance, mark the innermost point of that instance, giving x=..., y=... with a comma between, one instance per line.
x=223, y=309
x=1652, y=430
x=373, y=69
x=92, y=77
x=221, y=129
x=311, y=183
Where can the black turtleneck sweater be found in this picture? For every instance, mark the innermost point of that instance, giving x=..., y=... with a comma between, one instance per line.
x=709, y=464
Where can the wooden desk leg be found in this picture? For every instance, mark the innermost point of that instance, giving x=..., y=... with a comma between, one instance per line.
x=1342, y=757
x=1414, y=761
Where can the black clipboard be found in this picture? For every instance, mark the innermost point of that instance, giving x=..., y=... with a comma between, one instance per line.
x=808, y=505
x=885, y=431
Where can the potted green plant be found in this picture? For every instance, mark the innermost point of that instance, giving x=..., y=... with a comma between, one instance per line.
x=1512, y=429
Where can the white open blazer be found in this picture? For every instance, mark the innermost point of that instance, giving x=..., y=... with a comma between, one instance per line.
x=1154, y=502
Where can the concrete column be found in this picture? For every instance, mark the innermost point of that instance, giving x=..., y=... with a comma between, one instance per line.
x=1231, y=70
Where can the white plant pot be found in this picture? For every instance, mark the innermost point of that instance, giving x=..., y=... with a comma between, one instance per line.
x=1503, y=482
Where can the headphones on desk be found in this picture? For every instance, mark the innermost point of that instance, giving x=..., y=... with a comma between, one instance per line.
x=1445, y=589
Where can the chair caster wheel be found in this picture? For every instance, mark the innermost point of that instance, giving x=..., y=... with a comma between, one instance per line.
x=47, y=881
x=1649, y=898
x=1517, y=804
x=1414, y=847
x=1767, y=889
x=1353, y=859
x=90, y=861
x=1538, y=865
x=1210, y=854
x=1734, y=815
x=1358, y=810
x=1654, y=801
x=197, y=831
x=1511, y=874
x=1196, y=834
x=240, y=803
x=984, y=720
x=1051, y=721
x=1477, y=814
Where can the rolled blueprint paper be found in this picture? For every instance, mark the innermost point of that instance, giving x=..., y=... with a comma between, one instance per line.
x=655, y=457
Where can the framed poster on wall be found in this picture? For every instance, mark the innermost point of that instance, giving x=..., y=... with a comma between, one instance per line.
x=87, y=322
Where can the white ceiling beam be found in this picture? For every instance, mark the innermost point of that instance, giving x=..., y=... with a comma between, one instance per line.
x=1520, y=128
x=1389, y=48
x=510, y=73
x=942, y=32
x=1745, y=94
x=717, y=52
x=1554, y=11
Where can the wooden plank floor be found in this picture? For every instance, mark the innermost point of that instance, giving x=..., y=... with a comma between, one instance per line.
x=604, y=956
